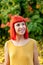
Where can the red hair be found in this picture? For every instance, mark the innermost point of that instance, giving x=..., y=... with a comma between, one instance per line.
x=15, y=19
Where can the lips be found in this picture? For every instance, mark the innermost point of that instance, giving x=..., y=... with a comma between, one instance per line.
x=21, y=29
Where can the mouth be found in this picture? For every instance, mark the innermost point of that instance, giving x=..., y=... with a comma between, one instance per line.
x=21, y=30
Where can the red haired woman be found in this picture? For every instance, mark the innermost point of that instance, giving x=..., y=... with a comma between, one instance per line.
x=20, y=50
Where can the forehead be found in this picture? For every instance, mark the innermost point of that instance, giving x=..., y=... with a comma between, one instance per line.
x=19, y=22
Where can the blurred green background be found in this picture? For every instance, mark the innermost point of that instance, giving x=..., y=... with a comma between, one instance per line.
x=32, y=9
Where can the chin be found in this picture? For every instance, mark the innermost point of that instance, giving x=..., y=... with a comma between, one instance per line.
x=21, y=33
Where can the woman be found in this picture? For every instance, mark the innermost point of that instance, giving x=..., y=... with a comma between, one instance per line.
x=20, y=50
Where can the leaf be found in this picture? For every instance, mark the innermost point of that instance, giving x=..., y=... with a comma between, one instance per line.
x=35, y=16
x=30, y=27
x=39, y=20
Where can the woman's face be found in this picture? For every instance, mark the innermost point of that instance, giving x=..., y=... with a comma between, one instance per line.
x=20, y=28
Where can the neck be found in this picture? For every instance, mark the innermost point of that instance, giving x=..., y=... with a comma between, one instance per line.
x=19, y=38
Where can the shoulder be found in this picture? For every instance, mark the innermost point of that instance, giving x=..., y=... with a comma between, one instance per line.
x=6, y=43
x=33, y=41
x=6, y=46
x=35, y=44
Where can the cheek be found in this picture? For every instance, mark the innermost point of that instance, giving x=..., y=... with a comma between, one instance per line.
x=24, y=27
x=16, y=28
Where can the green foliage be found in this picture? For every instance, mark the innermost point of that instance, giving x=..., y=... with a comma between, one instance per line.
x=32, y=9
x=4, y=35
x=26, y=8
x=35, y=27
x=8, y=7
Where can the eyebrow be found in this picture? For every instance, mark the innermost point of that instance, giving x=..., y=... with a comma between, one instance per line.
x=19, y=22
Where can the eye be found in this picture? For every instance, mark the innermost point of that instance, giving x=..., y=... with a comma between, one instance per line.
x=18, y=25
x=23, y=23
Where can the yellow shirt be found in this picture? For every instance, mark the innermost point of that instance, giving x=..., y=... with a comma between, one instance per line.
x=21, y=55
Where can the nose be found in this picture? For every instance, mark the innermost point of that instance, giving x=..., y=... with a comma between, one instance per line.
x=21, y=26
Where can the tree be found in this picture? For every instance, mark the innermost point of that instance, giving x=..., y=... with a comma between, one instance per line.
x=32, y=9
